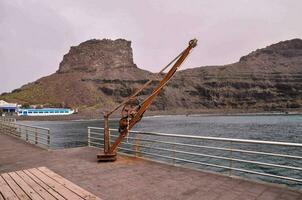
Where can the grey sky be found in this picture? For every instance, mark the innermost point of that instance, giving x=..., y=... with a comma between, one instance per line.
x=35, y=34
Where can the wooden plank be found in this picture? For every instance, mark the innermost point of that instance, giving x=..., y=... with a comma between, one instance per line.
x=1, y=197
x=68, y=184
x=6, y=191
x=46, y=187
x=26, y=188
x=55, y=185
x=15, y=187
x=41, y=191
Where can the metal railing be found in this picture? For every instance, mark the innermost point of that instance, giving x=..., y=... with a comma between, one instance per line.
x=278, y=162
x=8, y=119
x=38, y=136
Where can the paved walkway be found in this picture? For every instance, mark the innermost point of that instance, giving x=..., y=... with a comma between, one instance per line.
x=134, y=178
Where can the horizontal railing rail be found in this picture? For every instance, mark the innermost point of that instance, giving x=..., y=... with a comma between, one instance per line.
x=278, y=161
x=38, y=136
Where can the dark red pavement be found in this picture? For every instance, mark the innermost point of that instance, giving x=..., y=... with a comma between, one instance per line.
x=134, y=178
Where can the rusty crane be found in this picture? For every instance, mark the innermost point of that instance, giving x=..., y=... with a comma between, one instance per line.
x=133, y=111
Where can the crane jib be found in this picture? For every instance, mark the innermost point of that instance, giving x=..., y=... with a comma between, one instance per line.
x=133, y=114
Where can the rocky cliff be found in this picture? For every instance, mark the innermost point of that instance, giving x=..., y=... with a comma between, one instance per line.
x=97, y=55
x=267, y=79
x=97, y=74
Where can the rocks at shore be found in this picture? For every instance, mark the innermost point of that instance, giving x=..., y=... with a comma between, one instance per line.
x=98, y=74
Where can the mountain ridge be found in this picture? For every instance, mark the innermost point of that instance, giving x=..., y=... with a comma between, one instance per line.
x=98, y=74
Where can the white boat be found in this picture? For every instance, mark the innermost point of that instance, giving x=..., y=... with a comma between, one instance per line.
x=44, y=111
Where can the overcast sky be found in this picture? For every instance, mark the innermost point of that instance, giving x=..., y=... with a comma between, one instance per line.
x=35, y=34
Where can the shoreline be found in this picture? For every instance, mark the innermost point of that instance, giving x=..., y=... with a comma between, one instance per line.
x=150, y=114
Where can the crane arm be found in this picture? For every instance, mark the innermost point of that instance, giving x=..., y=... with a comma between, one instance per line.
x=147, y=102
x=110, y=150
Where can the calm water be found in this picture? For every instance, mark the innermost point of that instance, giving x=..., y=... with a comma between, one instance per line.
x=283, y=128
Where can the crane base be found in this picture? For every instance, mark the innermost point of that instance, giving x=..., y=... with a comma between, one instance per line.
x=108, y=157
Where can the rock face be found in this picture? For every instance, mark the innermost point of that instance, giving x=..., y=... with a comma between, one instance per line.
x=98, y=74
x=95, y=75
x=265, y=80
x=280, y=57
x=95, y=55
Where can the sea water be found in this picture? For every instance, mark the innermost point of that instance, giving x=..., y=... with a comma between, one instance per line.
x=283, y=128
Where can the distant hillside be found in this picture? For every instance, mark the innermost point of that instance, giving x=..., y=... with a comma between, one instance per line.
x=97, y=74
x=267, y=79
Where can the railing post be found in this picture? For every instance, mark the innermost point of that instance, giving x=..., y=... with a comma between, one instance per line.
x=106, y=134
x=48, y=138
x=7, y=130
x=11, y=129
x=26, y=134
x=1, y=126
x=14, y=129
x=174, y=153
x=136, y=145
x=231, y=159
x=36, y=136
x=17, y=130
x=89, y=134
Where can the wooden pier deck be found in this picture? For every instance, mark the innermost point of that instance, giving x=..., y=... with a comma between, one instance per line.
x=133, y=178
x=38, y=184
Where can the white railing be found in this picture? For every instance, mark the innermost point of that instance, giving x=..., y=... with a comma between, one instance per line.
x=38, y=136
x=272, y=161
x=8, y=119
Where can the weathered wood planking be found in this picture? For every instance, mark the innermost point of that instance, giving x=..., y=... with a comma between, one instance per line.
x=71, y=186
x=6, y=191
x=25, y=187
x=55, y=185
x=46, y=187
x=15, y=187
x=40, y=184
x=39, y=189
